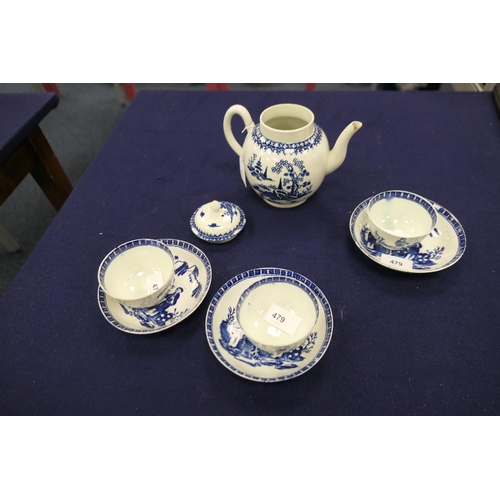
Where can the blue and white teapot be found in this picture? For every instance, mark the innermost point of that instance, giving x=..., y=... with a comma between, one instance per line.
x=286, y=156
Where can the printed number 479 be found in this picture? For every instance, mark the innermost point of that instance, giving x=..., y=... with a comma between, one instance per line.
x=279, y=317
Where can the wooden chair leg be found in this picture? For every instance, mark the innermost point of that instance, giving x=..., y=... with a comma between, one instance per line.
x=15, y=168
x=34, y=155
x=48, y=172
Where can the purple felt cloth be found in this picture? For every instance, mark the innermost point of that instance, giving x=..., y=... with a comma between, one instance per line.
x=403, y=344
x=20, y=113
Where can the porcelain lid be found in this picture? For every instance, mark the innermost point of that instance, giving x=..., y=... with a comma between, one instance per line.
x=218, y=221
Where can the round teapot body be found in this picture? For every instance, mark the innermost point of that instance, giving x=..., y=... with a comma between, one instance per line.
x=285, y=174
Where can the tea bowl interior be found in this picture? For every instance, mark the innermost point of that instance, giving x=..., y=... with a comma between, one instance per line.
x=136, y=272
x=277, y=313
x=401, y=214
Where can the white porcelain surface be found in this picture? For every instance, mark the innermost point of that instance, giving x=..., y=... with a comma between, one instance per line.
x=277, y=314
x=218, y=221
x=286, y=155
x=239, y=355
x=192, y=278
x=137, y=273
x=442, y=248
x=400, y=219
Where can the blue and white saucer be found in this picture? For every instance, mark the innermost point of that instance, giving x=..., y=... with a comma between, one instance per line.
x=235, y=351
x=192, y=279
x=442, y=248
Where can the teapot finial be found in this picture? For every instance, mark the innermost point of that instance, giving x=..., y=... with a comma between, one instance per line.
x=338, y=153
x=215, y=206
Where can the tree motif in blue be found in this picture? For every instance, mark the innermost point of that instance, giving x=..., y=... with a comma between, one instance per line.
x=159, y=315
x=420, y=260
x=255, y=168
x=228, y=209
x=243, y=350
x=293, y=183
x=293, y=177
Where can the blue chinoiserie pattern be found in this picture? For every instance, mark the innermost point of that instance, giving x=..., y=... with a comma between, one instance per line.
x=231, y=212
x=192, y=279
x=432, y=254
x=420, y=259
x=293, y=179
x=288, y=180
x=229, y=209
x=235, y=351
x=242, y=349
x=166, y=311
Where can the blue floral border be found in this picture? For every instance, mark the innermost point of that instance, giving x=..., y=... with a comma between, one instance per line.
x=406, y=195
x=282, y=147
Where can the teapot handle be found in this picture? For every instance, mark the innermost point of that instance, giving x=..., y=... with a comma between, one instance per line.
x=237, y=109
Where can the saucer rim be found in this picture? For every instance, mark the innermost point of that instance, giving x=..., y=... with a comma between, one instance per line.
x=177, y=244
x=441, y=211
x=254, y=275
x=220, y=238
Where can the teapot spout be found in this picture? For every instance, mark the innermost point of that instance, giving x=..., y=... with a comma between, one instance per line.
x=338, y=153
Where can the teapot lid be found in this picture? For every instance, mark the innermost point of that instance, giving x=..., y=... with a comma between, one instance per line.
x=218, y=221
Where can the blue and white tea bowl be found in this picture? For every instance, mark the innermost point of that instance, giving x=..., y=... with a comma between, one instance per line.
x=277, y=313
x=137, y=273
x=399, y=219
